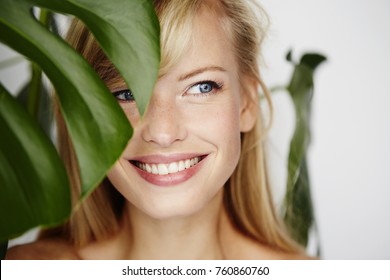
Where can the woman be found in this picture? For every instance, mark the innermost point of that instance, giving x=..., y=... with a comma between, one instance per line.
x=192, y=182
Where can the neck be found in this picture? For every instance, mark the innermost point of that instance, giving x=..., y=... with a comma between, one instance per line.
x=192, y=237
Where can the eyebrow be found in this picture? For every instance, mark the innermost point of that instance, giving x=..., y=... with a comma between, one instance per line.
x=201, y=70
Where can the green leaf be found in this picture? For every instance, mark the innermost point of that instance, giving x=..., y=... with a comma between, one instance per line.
x=312, y=60
x=33, y=183
x=45, y=113
x=299, y=215
x=128, y=31
x=129, y=34
x=298, y=206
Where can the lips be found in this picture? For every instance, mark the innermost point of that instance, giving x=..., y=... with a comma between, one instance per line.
x=168, y=170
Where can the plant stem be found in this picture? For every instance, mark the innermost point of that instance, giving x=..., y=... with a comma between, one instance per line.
x=34, y=93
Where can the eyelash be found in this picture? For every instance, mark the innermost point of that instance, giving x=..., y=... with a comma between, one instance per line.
x=216, y=87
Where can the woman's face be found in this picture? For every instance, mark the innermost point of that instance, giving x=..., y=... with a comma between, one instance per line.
x=187, y=144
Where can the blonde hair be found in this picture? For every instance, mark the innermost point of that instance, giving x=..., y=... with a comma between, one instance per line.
x=247, y=194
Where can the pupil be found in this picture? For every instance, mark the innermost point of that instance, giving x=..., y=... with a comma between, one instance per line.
x=205, y=88
x=128, y=95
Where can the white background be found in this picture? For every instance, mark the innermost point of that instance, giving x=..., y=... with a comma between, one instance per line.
x=349, y=158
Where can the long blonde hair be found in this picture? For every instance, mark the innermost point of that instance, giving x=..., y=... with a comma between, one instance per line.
x=247, y=194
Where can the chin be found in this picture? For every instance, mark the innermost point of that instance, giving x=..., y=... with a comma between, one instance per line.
x=179, y=205
x=173, y=208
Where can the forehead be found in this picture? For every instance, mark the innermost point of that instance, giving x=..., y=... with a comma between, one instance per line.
x=203, y=41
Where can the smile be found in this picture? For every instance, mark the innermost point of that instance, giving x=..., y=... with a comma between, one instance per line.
x=170, y=168
x=168, y=171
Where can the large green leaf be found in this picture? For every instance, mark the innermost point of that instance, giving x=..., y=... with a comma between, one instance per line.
x=128, y=31
x=44, y=114
x=298, y=205
x=33, y=182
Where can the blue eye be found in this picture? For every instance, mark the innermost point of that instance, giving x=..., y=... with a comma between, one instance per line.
x=124, y=95
x=203, y=88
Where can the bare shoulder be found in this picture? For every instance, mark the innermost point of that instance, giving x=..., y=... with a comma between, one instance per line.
x=249, y=249
x=50, y=249
x=274, y=254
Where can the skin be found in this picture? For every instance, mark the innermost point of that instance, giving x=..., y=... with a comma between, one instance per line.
x=186, y=220
x=165, y=220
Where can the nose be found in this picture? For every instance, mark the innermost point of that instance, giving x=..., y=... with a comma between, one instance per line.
x=161, y=124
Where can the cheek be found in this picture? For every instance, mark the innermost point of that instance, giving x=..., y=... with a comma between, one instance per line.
x=121, y=181
x=220, y=120
x=118, y=177
x=228, y=132
x=220, y=126
x=131, y=112
x=225, y=122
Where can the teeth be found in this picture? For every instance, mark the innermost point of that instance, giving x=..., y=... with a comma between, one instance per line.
x=181, y=165
x=154, y=169
x=148, y=168
x=173, y=167
x=170, y=168
x=162, y=169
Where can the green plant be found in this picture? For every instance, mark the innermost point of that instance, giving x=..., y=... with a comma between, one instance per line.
x=298, y=209
x=33, y=183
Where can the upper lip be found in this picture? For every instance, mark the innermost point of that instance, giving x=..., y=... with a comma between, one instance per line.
x=166, y=158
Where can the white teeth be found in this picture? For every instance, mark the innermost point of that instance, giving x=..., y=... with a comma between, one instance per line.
x=154, y=169
x=170, y=168
x=181, y=165
x=162, y=169
x=173, y=167
x=148, y=168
